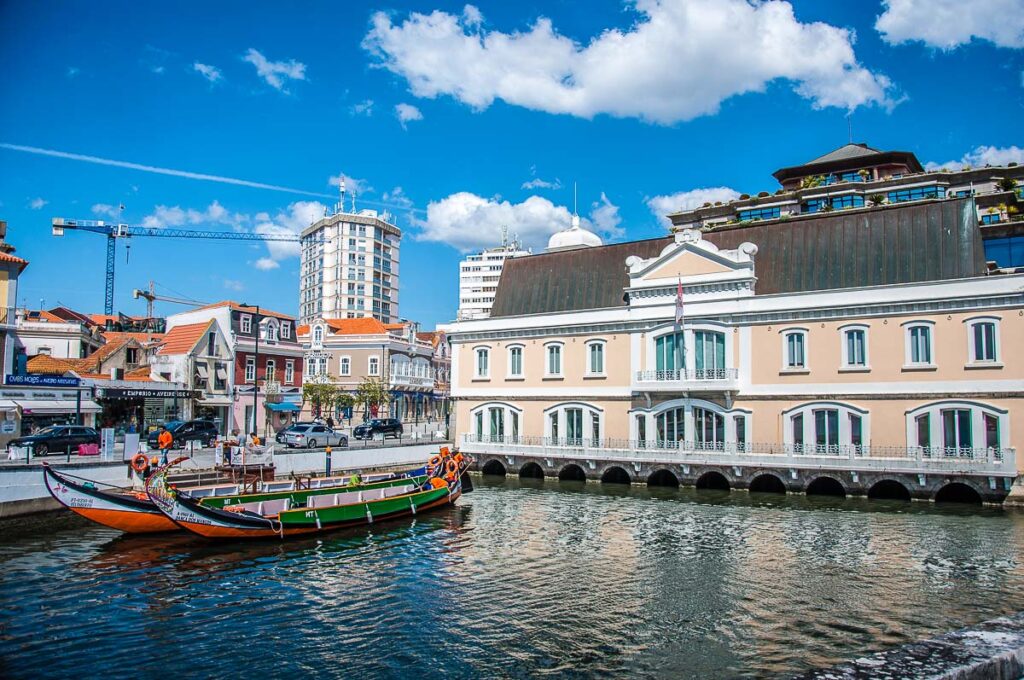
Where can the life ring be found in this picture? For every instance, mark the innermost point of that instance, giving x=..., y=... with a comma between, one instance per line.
x=139, y=463
x=451, y=467
x=434, y=461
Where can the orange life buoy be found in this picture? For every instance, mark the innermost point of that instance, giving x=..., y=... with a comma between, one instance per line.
x=451, y=466
x=445, y=451
x=139, y=463
x=434, y=460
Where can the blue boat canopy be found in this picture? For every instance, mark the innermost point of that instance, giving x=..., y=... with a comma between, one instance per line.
x=284, y=406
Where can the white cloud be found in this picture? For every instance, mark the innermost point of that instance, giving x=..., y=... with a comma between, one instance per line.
x=176, y=216
x=37, y=203
x=275, y=73
x=397, y=198
x=363, y=108
x=211, y=73
x=234, y=285
x=360, y=186
x=947, y=24
x=407, y=113
x=466, y=221
x=537, y=183
x=679, y=60
x=604, y=215
x=982, y=156
x=266, y=264
x=293, y=220
x=688, y=200
x=106, y=209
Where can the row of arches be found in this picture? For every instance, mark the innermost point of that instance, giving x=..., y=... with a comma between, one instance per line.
x=888, y=489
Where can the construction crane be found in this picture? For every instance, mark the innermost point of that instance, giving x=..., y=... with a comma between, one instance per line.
x=113, y=232
x=150, y=297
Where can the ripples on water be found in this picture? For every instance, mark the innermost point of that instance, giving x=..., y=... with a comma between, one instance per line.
x=521, y=578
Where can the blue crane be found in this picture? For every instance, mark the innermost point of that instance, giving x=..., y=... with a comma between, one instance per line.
x=113, y=232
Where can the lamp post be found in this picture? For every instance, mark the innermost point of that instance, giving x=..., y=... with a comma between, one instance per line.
x=256, y=365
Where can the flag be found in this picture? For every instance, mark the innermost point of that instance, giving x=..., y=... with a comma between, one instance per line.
x=679, y=303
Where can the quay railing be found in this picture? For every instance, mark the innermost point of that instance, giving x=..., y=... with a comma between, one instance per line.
x=696, y=374
x=984, y=460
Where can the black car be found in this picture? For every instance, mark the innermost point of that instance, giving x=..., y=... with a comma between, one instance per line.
x=205, y=431
x=385, y=427
x=58, y=439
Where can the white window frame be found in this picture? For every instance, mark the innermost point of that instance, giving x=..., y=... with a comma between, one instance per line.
x=250, y=369
x=485, y=352
x=289, y=372
x=373, y=365
x=784, y=334
x=318, y=335
x=807, y=410
x=587, y=424
x=650, y=416
x=245, y=323
x=561, y=359
x=978, y=411
x=972, y=361
x=908, y=363
x=589, y=344
x=509, y=409
x=344, y=365
x=286, y=329
x=522, y=362
x=844, y=348
x=270, y=330
x=270, y=370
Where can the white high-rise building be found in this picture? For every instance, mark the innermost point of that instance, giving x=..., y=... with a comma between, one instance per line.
x=349, y=267
x=478, y=279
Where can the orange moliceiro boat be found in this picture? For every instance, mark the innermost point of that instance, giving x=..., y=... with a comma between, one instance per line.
x=126, y=511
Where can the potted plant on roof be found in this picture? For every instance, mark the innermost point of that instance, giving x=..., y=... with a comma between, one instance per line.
x=1007, y=184
x=865, y=174
x=876, y=199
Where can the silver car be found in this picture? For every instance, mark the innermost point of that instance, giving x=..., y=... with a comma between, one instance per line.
x=312, y=436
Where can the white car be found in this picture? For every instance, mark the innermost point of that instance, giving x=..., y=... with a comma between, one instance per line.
x=312, y=436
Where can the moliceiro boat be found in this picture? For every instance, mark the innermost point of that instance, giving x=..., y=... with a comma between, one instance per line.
x=279, y=518
x=125, y=510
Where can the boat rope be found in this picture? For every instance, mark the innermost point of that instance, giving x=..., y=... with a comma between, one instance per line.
x=83, y=479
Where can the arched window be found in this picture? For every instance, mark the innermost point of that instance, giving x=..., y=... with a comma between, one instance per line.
x=827, y=428
x=497, y=422
x=669, y=352
x=670, y=427
x=574, y=424
x=794, y=349
x=709, y=429
x=694, y=424
x=962, y=429
x=318, y=336
x=918, y=344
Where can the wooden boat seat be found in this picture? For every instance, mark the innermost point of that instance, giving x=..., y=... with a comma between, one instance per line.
x=218, y=490
x=274, y=507
x=269, y=487
x=399, y=490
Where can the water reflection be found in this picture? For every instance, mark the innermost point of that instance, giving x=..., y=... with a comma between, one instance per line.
x=522, y=577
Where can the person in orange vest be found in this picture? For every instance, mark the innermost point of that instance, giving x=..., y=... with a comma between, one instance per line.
x=164, y=441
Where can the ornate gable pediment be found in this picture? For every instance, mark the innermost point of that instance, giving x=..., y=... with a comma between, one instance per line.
x=700, y=266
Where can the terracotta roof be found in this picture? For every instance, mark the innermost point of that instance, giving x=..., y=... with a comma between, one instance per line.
x=302, y=330
x=183, y=339
x=7, y=257
x=102, y=319
x=42, y=363
x=239, y=308
x=141, y=338
x=43, y=315
x=68, y=314
x=138, y=374
x=395, y=326
x=104, y=351
x=364, y=325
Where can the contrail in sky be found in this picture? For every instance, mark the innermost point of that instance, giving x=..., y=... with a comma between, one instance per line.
x=180, y=173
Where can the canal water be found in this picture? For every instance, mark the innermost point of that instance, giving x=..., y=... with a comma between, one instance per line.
x=519, y=579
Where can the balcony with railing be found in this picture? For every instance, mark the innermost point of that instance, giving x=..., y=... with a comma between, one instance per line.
x=912, y=460
x=411, y=375
x=690, y=378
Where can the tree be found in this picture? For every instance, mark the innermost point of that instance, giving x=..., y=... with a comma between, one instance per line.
x=343, y=400
x=371, y=393
x=319, y=395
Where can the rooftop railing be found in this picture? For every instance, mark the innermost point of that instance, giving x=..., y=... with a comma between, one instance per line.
x=699, y=374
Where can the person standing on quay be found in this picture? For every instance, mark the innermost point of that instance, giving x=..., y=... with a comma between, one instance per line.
x=164, y=441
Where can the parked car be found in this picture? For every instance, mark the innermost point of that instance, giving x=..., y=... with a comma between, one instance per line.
x=57, y=438
x=280, y=436
x=203, y=430
x=385, y=427
x=312, y=435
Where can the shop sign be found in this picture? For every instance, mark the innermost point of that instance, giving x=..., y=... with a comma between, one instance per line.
x=7, y=427
x=49, y=395
x=113, y=393
x=39, y=380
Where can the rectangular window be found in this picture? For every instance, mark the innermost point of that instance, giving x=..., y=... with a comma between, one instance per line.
x=641, y=429
x=759, y=214
x=245, y=323
x=553, y=419
x=826, y=429
x=515, y=362
x=211, y=344
x=856, y=354
x=482, y=363
x=924, y=430
x=916, y=194
x=847, y=201
x=289, y=372
x=991, y=218
x=480, y=424
x=991, y=430
x=856, y=430
x=595, y=430
x=984, y=341
x=795, y=357
x=286, y=329
x=250, y=369
x=920, y=345
x=956, y=428
x=373, y=367
x=345, y=366
x=270, y=374
x=668, y=351
x=798, y=431
x=710, y=353
x=554, y=360
x=497, y=416
x=574, y=426
x=514, y=419
x=740, y=423
x=597, y=358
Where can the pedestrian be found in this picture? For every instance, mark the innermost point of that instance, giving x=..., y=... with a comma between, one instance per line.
x=254, y=439
x=164, y=440
x=330, y=422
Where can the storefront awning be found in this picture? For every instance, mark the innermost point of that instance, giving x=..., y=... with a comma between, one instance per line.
x=284, y=406
x=7, y=405
x=215, y=401
x=46, y=407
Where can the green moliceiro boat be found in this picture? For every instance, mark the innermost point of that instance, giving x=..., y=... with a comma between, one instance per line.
x=299, y=496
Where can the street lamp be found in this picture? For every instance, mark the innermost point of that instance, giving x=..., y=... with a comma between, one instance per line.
x=256, y=366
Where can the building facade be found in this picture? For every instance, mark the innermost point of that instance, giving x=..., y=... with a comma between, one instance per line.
x=839, y=335
x=349, y=268
x=478, y=279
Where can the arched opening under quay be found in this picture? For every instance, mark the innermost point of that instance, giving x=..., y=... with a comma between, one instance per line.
x=494, y=467
x=531, y=471
x=572, y=473
x=713, y=480
x=663, y=477
x=958, y=492
x=767, y=483
x=825, y=486
x=889, y=489
x=615, y=475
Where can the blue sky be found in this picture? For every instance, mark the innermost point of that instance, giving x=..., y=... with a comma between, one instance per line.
x=459, y=119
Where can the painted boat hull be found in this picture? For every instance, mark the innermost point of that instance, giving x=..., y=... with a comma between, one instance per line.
x=296, y=496
x=123, y=512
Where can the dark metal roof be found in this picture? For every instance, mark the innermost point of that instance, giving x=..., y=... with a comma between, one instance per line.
x=849, y=157
x=846, y=151
x=888, y=245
